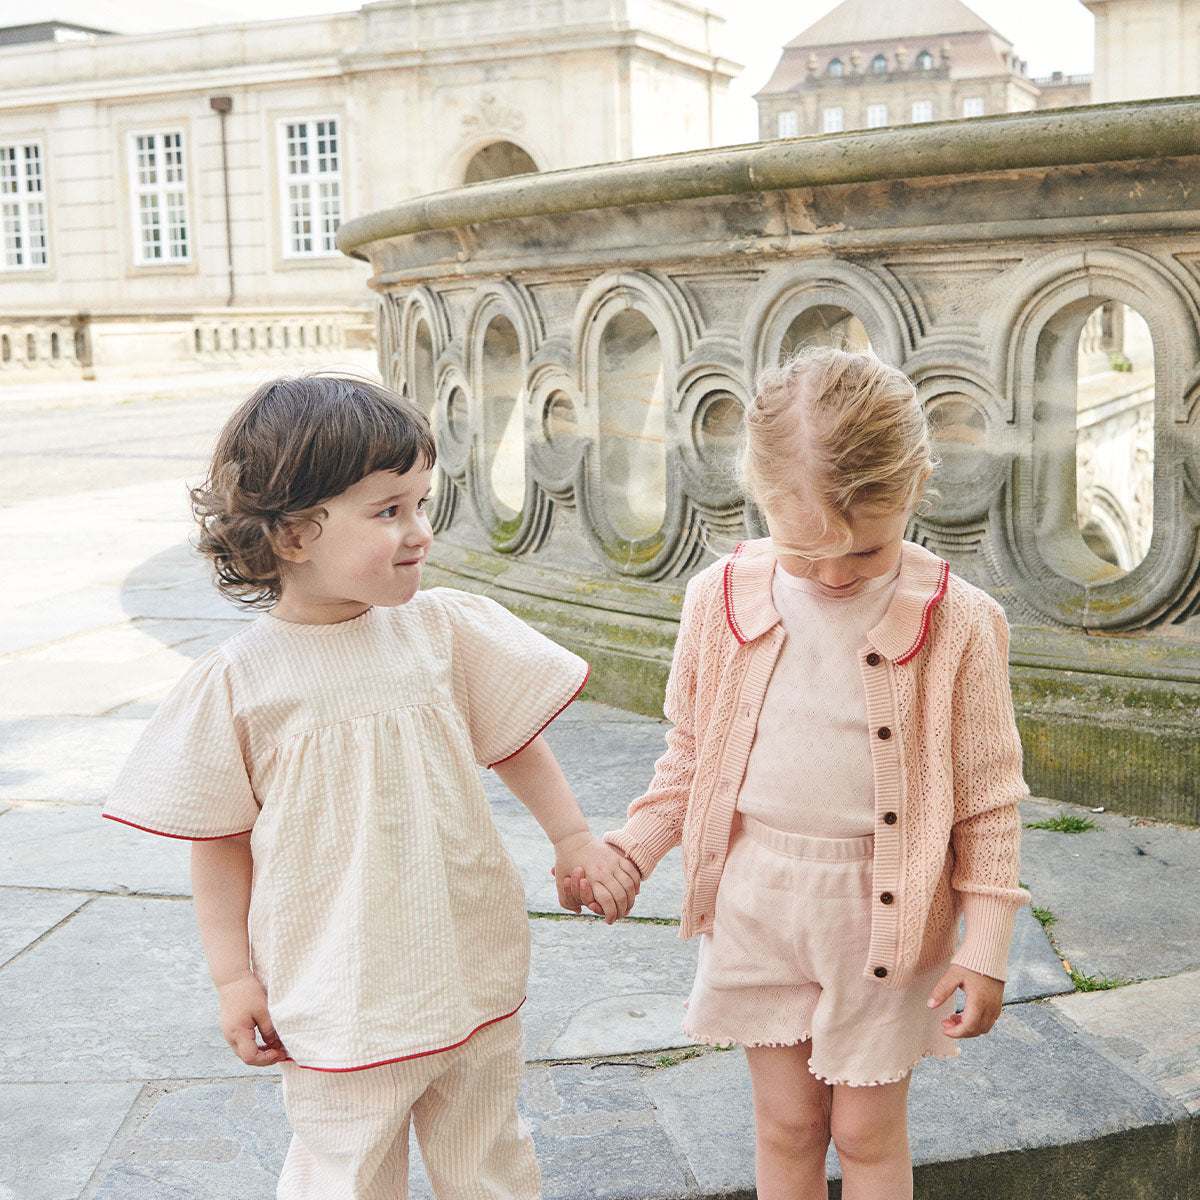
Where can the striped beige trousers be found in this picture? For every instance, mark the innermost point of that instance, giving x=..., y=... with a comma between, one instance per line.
x=350, y=1128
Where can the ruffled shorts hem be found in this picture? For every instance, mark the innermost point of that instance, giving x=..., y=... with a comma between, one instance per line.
x=708, y=1040
x=879, y=1082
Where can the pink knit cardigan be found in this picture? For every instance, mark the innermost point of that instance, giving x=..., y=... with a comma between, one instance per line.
x=945, y=756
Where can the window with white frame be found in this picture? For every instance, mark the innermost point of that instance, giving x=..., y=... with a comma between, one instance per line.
x=973, y=106
x=924, y=61
x=311, y=157
x=789, y=124
x=922, y=110
x=836, y=68
x=879, y=64
x=159, y=191
x=22, y=206
x=877, y=116
x=832, y=120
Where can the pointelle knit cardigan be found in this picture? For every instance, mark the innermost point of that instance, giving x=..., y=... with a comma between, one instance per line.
x=945, y=754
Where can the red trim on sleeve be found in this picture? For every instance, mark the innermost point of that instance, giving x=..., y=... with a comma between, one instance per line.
x=570, y=700
x=930, y=605
x=383, y=1062
x=729, y=617
x=179, y=837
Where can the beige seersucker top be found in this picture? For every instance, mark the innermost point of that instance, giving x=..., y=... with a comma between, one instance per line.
x=387, y=919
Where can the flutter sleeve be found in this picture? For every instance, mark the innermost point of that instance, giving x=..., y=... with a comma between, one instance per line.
x=187, y=775
x=510, y=681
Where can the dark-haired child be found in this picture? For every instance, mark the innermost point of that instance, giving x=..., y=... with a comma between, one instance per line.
x=323, y=762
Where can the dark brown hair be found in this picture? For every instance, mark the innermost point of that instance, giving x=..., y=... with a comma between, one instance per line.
x=295, y=443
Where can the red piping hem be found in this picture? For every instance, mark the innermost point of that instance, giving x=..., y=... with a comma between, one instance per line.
x=930, y=604
x=179, y=837
x=383, y=1062
x=729, y=617
x=570, y=700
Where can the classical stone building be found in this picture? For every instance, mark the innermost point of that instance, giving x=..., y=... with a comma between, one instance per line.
x=172, y=198
x=866, y=65
x=1146, y=48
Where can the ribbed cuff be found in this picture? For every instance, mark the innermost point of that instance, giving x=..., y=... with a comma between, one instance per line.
x=643, y=840
x=989, y=924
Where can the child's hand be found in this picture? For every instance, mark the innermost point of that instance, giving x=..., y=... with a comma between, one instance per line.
x=244, y=1009
x=583, y=860
x=984, y=995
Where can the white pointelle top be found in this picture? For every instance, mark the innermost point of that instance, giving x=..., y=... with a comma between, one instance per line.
x=387, y=918
x=809, y=769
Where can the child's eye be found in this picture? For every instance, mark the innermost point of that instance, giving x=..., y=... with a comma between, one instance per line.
x=389, y=512
x=421, y=503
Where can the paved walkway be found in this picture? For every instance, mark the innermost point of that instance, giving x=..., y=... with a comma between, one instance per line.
x=115, y=1081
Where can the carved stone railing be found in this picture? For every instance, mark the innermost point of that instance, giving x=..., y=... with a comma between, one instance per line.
x=585, y=343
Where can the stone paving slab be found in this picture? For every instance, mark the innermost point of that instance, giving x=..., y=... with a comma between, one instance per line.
x=26, y=915
x=1153, y=1029
x=72, y=847
x=1120, y=876
x=53, y=1135
x=63, y=759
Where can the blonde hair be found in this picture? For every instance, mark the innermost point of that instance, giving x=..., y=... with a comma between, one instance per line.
x=836, y=430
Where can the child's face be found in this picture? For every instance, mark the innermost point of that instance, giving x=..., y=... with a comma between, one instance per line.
x=877, y=538
x=368, y=551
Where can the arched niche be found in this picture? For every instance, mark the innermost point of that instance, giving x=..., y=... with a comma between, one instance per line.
x=498, y=160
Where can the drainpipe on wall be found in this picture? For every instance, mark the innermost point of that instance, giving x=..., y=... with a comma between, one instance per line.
x=222, y=105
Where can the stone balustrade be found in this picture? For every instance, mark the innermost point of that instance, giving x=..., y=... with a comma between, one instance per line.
x=585, y=343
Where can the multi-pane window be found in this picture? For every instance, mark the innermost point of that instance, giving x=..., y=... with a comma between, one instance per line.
x=922, y=110
x=22, y=206
x=924, y=61
x=789, y=124
x=973, y=106
x=879, y=64
x=837, y=68
x=832, y=120
x=310, y=151
x=160, y=216
x=877, y=116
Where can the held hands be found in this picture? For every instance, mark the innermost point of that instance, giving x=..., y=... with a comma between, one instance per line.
x=592, y=873
x=244, y=1009
x=983, y=999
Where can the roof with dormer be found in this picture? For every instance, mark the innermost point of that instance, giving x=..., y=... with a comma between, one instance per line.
x=869, y=21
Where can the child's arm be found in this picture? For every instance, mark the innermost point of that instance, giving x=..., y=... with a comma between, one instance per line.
x=221, y=875
x=535, y=778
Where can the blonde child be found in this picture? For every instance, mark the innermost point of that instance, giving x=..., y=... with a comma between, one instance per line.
x=843, y=775
x=323, y=762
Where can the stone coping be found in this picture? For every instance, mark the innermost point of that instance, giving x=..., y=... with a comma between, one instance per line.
x=1011, y=141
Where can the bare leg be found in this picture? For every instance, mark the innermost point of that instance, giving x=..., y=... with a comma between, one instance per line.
x=791, y=1123
x=870, y=1131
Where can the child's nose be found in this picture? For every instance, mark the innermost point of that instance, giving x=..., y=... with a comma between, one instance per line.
x=834, y=572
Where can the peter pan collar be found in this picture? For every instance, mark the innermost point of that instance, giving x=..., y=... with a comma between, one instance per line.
x=899, y=636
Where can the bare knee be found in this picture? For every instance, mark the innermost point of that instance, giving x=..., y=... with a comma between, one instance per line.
x=799, y=1129
x=867, y=1137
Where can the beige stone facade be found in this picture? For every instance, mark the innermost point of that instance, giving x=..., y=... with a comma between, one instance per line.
x=165, y=190
x=1146, y=48
x=864, y=66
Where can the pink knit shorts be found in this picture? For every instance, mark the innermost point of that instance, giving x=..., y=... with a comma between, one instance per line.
x=785, y=962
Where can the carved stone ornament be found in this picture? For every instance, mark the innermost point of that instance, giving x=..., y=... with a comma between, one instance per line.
x=492, y=113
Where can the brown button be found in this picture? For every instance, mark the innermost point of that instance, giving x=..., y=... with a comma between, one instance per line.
x=881, y=972
x=872, y=659
x=886, y=898
x=889, y=818
x=884, y=732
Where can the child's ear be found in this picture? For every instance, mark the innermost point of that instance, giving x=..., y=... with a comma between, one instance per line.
x=290, y=539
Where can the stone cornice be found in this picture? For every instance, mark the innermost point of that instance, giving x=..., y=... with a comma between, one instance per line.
x=1063, y=137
